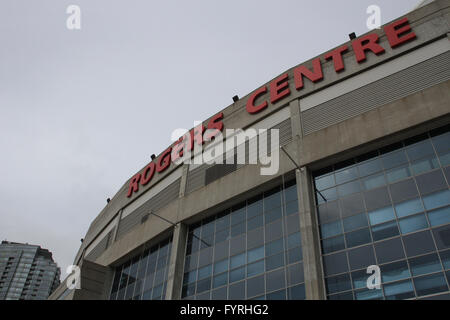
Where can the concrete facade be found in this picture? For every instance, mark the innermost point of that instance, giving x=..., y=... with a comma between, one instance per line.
x=417, y=110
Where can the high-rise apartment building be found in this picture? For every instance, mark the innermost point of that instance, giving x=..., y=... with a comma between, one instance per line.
x=27, y=272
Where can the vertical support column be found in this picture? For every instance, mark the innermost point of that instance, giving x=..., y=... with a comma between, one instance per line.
x=312, y=266
x=176, y=262
x=179, y=240
x=314, y=285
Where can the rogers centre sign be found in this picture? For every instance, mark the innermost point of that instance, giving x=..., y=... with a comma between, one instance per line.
x=397, y=33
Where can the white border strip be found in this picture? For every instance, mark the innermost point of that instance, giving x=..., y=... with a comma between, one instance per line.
x=161, y=185
x=422, y=54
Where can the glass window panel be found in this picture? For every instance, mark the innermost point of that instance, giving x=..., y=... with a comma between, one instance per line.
x=328, y=230
x=272, y=215
x=425, y=264
x=222, y=235
x=374, y=181
x=237, y=291
x=274, y=230
x=409, y=207
x=297, y=292
x=394, y=271
x=219, y=294
x=441, y=142
x=294, y=240
x=237, y=261
x=346, y=174
x=445, y=257
x=290, y=193
x=292, y=207
x=374, y=294
x=398, y=173
x=205, y=257
x=223, y=222
x=295, y=255
x=237, y=229
x=419, y=150
x=255, y=268
x=254, y=223
x=445, y=159
x=204, y=272
x=333, y=244
x=293, y=224
x=272, y=201
x=414, y=223
x=394, y=159
x=385, y=230
x=220, y=280
x=255, y=238
x=418, y=243
x=355, y=222
x=377, y=198
x=335, y=263
x=221, y=266
x=255, y=286
x=389, y=250
x=430, y=284
x=349, y=188
x=237, y=274
x=237, y=245
x=369, y=167
x=238, y=216
x=275, y=280
x=361, y=257
x=278, y=295
x=190, y=277
x=381, y=215
x=352, y=205
x=221, y=250
x=255, y=254
x=399, y=290
x=325, y=182
x=359, y=279
x=329, y=212
x=255, y=209
x=274, y=247
x=341, y=296
x=439, y=216
x=275, y=261
x=156, y=294
x=424, y=165
x=442, y=237
x=187, y=289
x=438, y=199
x=207, y=229
x=403, y=190
x=338, y=284
x=431, y=182
x=328, y=194
x=295, y=274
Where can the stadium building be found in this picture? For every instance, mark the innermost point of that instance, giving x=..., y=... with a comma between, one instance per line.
x=363, y=179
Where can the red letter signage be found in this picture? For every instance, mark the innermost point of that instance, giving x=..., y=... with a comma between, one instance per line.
x=314, y=75
x=395, y=30
x=368, y=42
x=251, y=108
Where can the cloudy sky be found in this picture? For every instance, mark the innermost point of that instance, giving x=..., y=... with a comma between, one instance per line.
x=82, y=110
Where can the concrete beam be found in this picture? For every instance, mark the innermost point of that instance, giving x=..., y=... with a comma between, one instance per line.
x=314, y=285
x=176, y=262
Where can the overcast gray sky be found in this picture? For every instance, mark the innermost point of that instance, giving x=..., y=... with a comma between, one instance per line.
x=82, y=110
